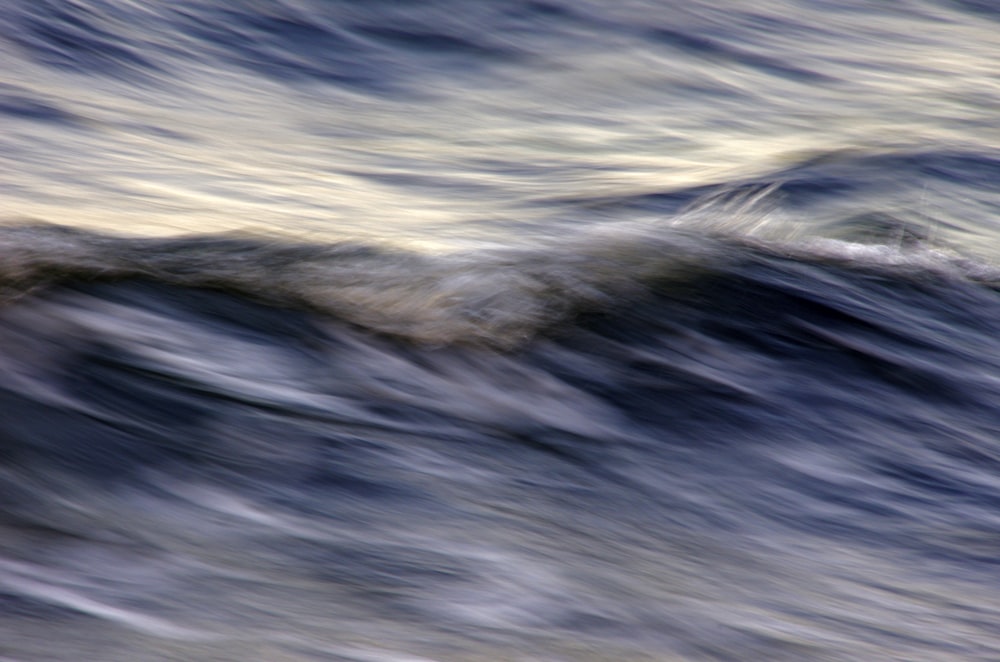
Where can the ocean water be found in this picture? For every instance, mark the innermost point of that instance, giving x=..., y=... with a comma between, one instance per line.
x=517, y=330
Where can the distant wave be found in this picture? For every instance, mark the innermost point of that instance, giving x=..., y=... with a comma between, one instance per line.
x=337, y=43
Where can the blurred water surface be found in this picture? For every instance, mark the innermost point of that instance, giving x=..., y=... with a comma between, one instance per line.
x=522, y=330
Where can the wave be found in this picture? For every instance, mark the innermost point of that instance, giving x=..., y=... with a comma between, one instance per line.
x=552, y=446
x=374, y=48
x=751, y=418
x=828, y=175
x=497, y=296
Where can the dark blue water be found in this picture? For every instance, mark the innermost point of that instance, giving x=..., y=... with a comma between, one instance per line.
x=499, y=331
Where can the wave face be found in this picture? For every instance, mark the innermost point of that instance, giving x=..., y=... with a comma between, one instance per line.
x=685, y=464
x=470, y=331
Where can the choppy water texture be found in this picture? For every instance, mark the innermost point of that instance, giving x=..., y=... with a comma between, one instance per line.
x=475, y=331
